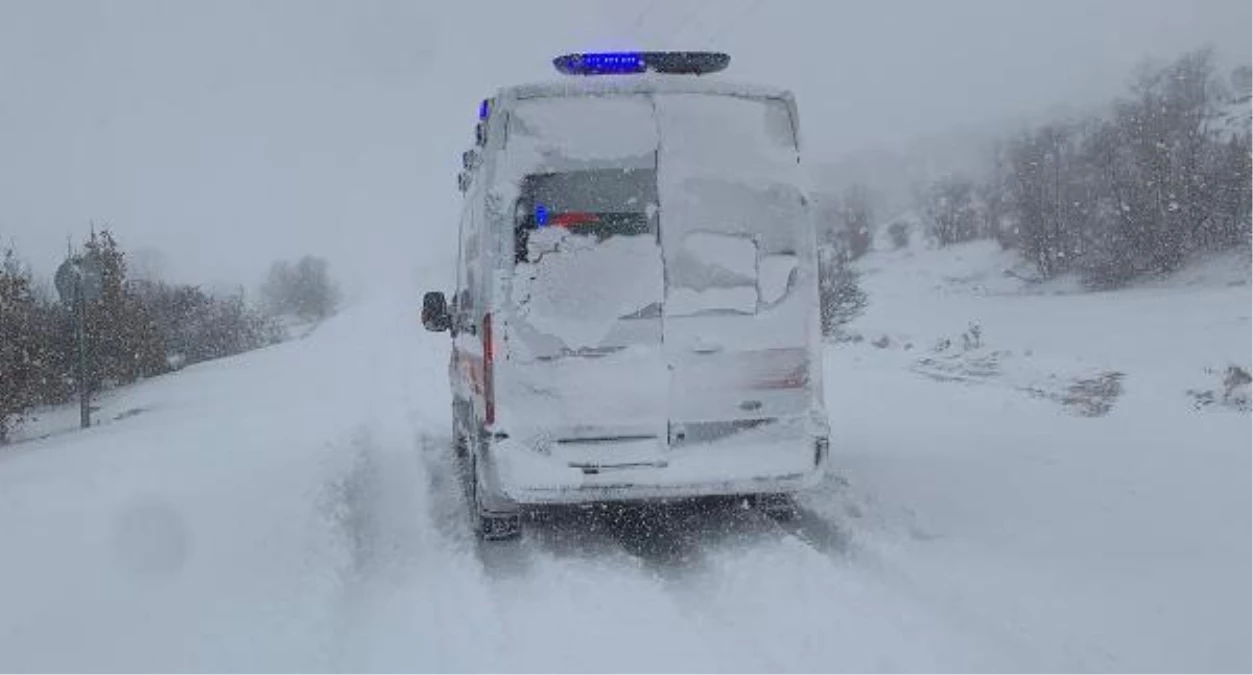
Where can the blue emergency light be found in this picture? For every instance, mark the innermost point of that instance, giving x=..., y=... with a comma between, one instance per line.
x=625, y=63
x=600, y=64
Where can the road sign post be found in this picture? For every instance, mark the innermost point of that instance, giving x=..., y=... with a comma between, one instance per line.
x=79, y=281
x=84, y=389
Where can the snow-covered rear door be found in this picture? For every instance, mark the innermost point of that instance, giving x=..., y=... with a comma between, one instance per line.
x=584, y=334
x=736, y=313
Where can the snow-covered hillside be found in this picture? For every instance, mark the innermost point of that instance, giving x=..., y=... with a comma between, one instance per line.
x=1056, y=478
x=1046, y=495
x=1234, y=118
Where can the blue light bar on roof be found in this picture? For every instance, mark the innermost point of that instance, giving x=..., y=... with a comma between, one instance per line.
x=620, y=63
x=485, y=109
x=600, y=64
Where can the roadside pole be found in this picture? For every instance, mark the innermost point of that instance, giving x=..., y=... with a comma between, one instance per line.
x=79, y=281
x=84, y=389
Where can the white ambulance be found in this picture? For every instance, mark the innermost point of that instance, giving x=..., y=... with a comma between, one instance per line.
x=636, y=306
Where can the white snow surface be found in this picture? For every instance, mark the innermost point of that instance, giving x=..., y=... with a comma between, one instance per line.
x=298, y=508
x=581, y=288
x=587, y=128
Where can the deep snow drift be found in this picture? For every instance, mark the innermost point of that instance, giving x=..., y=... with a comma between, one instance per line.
x=1042, y=493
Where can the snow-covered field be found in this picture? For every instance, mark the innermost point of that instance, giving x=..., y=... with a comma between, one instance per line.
x=1046, y=495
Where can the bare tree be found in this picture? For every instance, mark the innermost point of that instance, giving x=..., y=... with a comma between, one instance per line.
x=951, y=211
x=993, y=196
x=840, y=295
x=1241, y=84
x=856, y=218
x=1164, y=125
x=304, y=290
x=1052, y=195
x=898, y=232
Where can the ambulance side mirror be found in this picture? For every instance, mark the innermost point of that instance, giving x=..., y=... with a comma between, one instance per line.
x=435, y=316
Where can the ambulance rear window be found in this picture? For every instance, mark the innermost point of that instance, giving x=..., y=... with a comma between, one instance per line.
x=599, y=203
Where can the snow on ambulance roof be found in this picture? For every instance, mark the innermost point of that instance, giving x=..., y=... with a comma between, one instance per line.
x=640, y=84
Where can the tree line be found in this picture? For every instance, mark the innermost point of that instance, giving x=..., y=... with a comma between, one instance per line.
x=136, y=328
x=1163, y=174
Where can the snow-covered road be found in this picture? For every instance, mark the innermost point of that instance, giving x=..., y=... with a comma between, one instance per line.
x=299, y=508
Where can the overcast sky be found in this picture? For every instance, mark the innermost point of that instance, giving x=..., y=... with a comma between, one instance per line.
x=226, y=133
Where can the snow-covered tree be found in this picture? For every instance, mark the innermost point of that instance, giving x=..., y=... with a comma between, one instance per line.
x=304, y=290
x=1050, y=195
x=20, y=351
x=951, y=212
x=1165, y=174
x=122, y=335
x=898, y=234
x=839, y=291
x=196, y=326
x=1241, y=80
x=846, y=220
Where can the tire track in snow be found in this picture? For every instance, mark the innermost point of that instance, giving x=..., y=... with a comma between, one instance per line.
x=568, y=594
x=409, y=600
x=674, y=555
x=772, y=595
x=875, y=547
x=705, y=584
x=797, y=595
x=742, y=577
